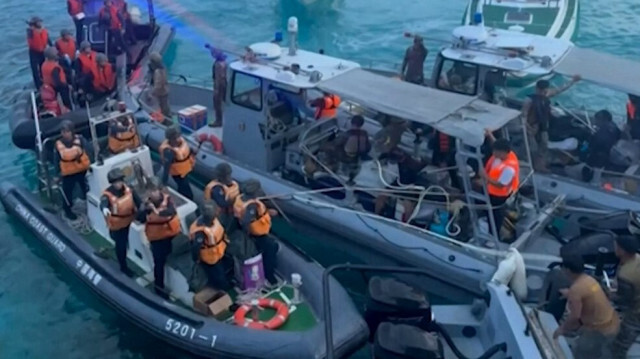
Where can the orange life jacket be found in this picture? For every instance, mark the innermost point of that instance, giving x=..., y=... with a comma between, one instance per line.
x=631, y=111
x=49, y=98
x=39, y=39
x=104, y=79
x=47, y=72
x=262, y=224
x=494, y=172
x=75, y=7
x=158, y=227
x=329, y=107
x=66, y=47
x=114, y=23
x=88, y=63
x=123, y=209
x=125, y=140
x=443, y=142
x=183, y=159
x=215, y=243
x=230, y=192
x=73, y=159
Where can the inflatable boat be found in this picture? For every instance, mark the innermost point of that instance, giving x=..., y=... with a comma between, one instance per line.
x=151, y=37
x=204, y=321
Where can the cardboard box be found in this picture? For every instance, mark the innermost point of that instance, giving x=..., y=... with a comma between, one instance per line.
x=192, y=118
x=211, y=302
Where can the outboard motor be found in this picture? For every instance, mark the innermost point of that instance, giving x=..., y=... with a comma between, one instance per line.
x=596, y=249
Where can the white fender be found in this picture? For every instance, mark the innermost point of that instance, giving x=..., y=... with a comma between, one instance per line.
x=511, y=272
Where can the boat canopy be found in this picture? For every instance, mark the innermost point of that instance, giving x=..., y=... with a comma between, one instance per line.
x=456, y=115
x=603, y=69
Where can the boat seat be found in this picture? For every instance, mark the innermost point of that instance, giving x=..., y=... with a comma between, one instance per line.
x=282, y=111
x=396, y=341
x=391, y=292
x=180, y=257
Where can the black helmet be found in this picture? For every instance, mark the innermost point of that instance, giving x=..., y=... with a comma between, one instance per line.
x=222, y=170
x=115, y=175
x=66, y=125
x=155, y=183
x=172, y=133
x=209, y=209
x=252, y=188
x=50, y=53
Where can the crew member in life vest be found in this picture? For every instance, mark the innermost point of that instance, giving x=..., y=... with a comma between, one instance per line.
x=122, y=133
x=73, y=156
x=209, y=245
x=326, y=106
x=54, y=75
x=86, y=67
x=66, y=47
x=178, y=160
x=223, y=190
x=103, y=80
x=38, y=40
x=112, y=21
x=502, y=176
x=633, y=116
x=255, y=218
x=162, y=225
x=119, y=204
x=75, y=8
x=51, y=107
x=444, y=155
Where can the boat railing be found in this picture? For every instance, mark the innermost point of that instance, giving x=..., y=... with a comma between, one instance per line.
x=191, y=80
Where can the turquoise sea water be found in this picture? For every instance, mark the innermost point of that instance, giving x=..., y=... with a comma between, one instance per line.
x=44, y=311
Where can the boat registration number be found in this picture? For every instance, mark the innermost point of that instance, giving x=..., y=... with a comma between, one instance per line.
x=184, y=330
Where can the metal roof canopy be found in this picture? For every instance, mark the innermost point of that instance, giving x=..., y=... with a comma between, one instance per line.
x=456, y=115
x=603, y=69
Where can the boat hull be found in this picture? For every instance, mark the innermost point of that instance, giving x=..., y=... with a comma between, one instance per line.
x=177, y=326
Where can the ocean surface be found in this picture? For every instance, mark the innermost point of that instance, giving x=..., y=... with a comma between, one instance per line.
x=45, y=312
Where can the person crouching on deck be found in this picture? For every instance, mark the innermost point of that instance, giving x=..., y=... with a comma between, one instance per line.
x=119, y=204
x=162, y=225
x=71, y=152
x=255, y=218
x=209, y=245
x=178, y=160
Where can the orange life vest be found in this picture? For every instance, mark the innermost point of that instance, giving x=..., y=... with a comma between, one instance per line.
x=329, y=107
x=47, y=72
x=39, y=39
x=75, y=7
x=114, y=22
x=159, y=227
x=262, y=224
x=183, y=159
x=104, y=79
x=230, y=192
x=215, y=243
x=494, y=172
x=73, y=159
x=123, y=209
x=88, y=62
x=66, y=48
x=49, y=98
x=631, y=111
x=125, y=140
x=443, y=142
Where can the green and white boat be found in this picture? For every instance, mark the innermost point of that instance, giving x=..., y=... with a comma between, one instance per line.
x=552, y=18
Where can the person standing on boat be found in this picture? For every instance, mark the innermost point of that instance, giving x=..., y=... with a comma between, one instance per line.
x=355, y=146
x=537, y=111
x=38, y=40
x=162, y=225
x=66, y=47
x=413, y=62
x=209, y=243
x=119, y=204
x=72, y=153
x=633, y=117
x=590, y=313
x=86, y=67
x=103, y=80
x=223, y=190
x=444, y=155
x=75, y=8
x=112, y=20
x=627, y=294
x=219, y=72
x=255, y=217
x=178, y=160
x=54, y=75
x=502, y=176
x=606, y=136
x=122, y=133
x=326, y=106
x=160, y=83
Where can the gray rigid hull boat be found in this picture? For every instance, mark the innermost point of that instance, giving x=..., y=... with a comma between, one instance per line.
x=265, y=136
x=182, y=320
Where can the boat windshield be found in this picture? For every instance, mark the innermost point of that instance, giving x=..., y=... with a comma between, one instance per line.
x=518, y=17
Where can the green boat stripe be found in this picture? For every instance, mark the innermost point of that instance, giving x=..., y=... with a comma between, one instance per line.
x=571, y=7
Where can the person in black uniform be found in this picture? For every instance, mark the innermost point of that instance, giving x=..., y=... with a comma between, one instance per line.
x=119, y=204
